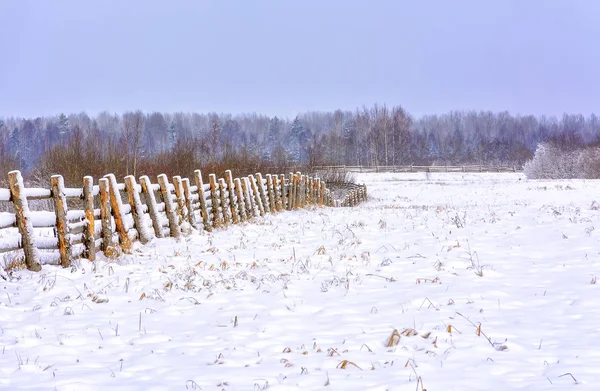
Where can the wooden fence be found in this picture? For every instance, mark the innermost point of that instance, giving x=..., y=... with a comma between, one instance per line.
x=466, y=168
x=115, y=213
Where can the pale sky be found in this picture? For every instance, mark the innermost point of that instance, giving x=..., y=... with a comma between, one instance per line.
x=279, y=57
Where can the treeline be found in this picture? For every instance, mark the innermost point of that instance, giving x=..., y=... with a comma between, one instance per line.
x=151, y=143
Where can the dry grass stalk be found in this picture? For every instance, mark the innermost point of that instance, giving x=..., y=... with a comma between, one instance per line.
x=344, y=363
x=394, y=339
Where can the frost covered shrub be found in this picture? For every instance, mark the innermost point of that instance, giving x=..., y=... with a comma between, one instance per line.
x=553, y=162
x=589, y=161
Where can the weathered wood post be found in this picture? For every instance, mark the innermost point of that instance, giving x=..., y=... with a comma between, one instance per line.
x=300, y=192
x=297, y=191
x=257, y=198
x=224, y=201
x=232, y=204
x=282, y=195
x=182, y=211
x=174, y=229
x=189, y=204
x=277, y=192
x=261, y=191
x=89, y=232
x=62, y=228
x=137, y=211
x=322, y=194
x=291, y=195
x=117, y=210
x=23, y=220
x=271, y=193
x=105, y=211
x=240, y=200
x=246, y=188
x=202, y=200
x=148, y=192
x=214, y=200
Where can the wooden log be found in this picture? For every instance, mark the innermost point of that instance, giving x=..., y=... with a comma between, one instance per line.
x=261, y=192
x=282, y=193
x=170, y=208
x=271, y=193
x=224, y=201
x=89, y=233
x=187, y=196
x=297, y=191
x=116, y=204
x=137, y=211
x=241, y=207
x=62, y=228
x=291, y=192
x=214, y=199
x=317, y=191
x=105, y=211
x=233, y=207
x=202, y=200
x=304, y=186
x=148, y=192
x=246, y=188
x=277, y=189
x=23, y=220
x=182, y=211
x=322, y=194
x=256, y=194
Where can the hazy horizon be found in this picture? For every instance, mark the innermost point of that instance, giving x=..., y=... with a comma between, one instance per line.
x=282, y=58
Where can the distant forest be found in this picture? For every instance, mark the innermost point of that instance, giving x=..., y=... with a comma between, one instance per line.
x=150, y=143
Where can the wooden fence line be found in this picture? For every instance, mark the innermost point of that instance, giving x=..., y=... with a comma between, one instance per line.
x=129, y=211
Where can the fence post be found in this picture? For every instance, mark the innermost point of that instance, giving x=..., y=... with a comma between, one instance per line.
x=62, y=228
x=137, y=212
x=187, y=196
x=248, y=197
x=182, y=211
x=148, y=192
x=301, y=192
x=223, y=197
x=261, y=208
x=117, y=205
x=23, y=219
x=322, y=194
x=240, y=200
x=89, y=233
x=282, y=197
x=276, y=192
x=174, y=229
x=203, y=209
x=271, y=193
x=297, y=191
x=214, y=200
x=105, y=211
x=261, y=192
x=232, y=204
x=290, y=195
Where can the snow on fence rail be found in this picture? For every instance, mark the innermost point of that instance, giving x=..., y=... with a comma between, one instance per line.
x=466, y=168
x=119, y=213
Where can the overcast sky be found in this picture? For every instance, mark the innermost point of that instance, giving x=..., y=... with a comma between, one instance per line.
x=280, y=57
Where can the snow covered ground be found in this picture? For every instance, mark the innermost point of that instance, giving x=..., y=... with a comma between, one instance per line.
x=488, y=280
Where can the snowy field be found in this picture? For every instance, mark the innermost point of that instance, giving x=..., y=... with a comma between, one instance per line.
x=466, y=281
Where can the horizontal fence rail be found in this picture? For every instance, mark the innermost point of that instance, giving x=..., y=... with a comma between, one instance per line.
x=113, y=215
x=465, y=168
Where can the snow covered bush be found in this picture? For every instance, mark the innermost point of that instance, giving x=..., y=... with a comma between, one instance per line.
x=552, y=162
